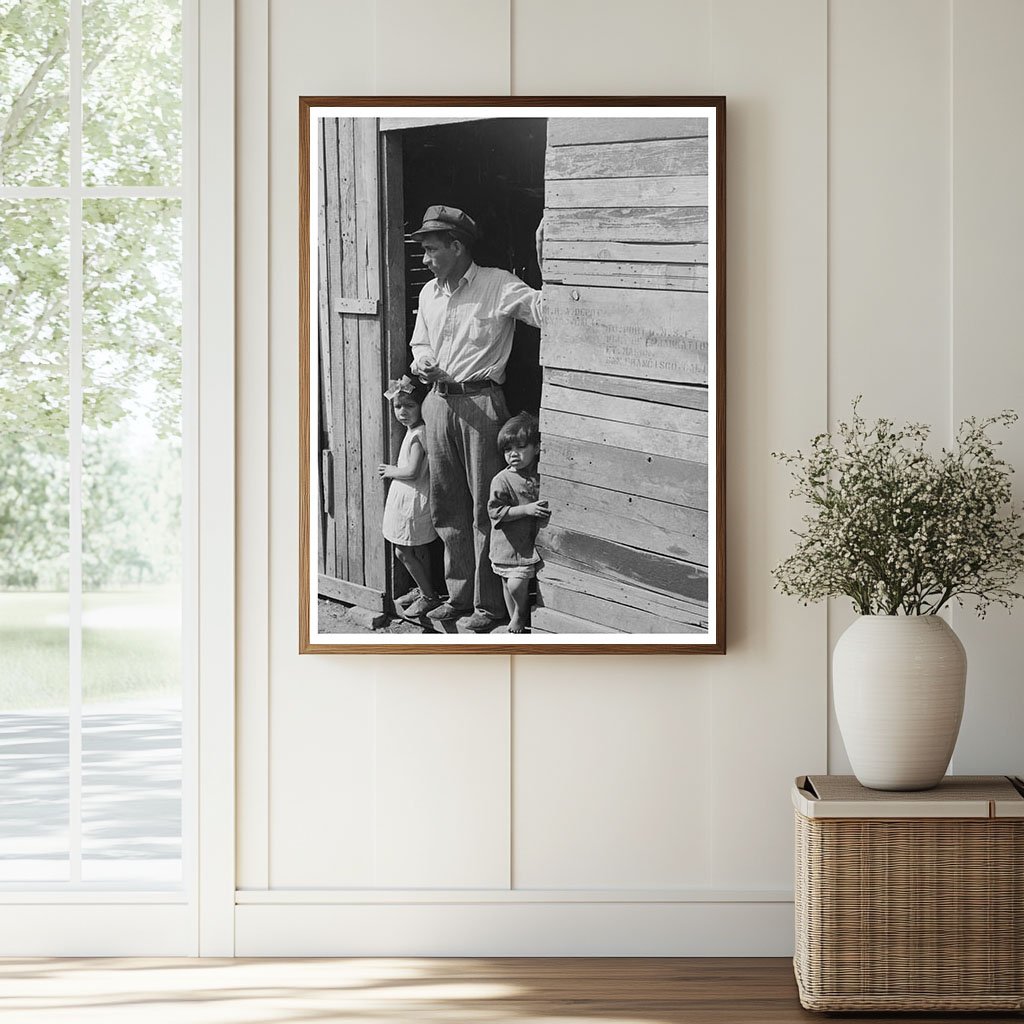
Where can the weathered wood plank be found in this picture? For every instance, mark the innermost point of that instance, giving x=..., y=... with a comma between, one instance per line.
x=570, y=131
x=615, y=561
x=391, y=124
x=326, y=553
x=625, y=410
x=367, y=209
x=350, y=334
x=629, y=519
x=687, y=396
x=636, y=252
x=335, y=353
x=371, y=357
x=347, y=212
x=649, y=440
x=659, y=335
x=675, y=609
x=361, y=307
x=684, y=190
x=685, y=277
x=353, y=450
x=544, y=620
x=324, y=518
x=323, y=298
x=351, y=593
x=650, y=476
x=631, y=224
x=395, y=341
x=607, y=613
x=372, y=403
x=628, y=160
x=636, y=283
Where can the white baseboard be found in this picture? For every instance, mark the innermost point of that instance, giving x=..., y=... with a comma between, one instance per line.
x=98, y=928
x=504, y=928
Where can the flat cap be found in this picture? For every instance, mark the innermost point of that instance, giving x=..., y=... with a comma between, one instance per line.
x=448, y=218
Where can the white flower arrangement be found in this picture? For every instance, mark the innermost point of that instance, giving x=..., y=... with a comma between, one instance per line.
x=899, y=530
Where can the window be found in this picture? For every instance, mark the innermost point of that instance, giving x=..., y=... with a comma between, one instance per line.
x=95, y=476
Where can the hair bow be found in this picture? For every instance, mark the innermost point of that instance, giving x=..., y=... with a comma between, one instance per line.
x=396, y=387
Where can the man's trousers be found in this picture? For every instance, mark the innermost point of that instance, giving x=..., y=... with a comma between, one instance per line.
x=462, y=445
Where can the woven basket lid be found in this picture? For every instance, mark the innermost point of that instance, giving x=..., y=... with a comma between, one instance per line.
x=957, y=796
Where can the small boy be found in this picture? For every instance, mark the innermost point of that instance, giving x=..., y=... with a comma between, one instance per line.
x=516, y=513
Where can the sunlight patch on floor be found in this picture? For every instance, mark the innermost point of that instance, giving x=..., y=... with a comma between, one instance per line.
x=218, y=991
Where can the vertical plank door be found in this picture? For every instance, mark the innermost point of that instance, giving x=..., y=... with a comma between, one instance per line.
x=624, y=349
x=352, y=370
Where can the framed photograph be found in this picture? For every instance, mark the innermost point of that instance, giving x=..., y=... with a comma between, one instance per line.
x=512, y=374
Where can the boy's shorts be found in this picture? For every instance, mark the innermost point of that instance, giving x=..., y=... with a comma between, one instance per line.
x=515, y=572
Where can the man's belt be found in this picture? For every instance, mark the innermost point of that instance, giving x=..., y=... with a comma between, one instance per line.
x=471, y=387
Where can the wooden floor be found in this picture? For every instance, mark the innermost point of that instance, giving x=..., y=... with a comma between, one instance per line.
x=412, y=991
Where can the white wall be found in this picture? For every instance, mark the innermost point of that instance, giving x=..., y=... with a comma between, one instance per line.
x=626, y=805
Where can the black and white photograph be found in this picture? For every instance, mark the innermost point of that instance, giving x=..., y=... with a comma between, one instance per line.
x=512, y=375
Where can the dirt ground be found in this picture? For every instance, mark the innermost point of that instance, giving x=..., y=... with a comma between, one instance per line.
x=335, y=617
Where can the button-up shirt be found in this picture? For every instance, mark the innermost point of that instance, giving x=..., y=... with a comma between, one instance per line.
x=469, y=329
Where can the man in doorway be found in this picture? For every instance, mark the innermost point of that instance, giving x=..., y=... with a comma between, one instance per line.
x=460, y=345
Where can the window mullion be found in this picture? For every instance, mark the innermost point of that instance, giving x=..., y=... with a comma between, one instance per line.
x=75, y=333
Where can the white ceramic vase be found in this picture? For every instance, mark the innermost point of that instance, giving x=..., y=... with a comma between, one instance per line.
x=898, y=684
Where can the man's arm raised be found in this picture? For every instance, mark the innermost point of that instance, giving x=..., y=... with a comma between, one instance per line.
x=518, y=299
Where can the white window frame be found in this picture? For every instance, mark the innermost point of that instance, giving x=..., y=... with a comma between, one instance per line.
x=50, y=919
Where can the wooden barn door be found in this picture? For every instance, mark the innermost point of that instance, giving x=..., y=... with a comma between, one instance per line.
x=624, y=411
x=352, y=435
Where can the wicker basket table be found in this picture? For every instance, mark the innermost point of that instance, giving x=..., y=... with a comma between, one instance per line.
x=910, y=901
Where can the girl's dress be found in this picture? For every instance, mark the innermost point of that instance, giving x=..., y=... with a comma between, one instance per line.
x=407, y=511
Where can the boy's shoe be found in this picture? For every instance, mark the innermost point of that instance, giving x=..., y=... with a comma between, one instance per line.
x=446, y=613
x=422, y=605
x=481, y=622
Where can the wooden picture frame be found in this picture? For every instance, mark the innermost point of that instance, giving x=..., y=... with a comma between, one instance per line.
x=627, y=376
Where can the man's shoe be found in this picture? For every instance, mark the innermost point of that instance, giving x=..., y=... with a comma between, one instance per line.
x=422, y=605
x=481, y=622
x=446, y=613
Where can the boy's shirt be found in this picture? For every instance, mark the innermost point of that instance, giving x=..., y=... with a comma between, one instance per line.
x=513, y=542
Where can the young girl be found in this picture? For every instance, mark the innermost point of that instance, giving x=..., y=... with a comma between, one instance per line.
x=517, y=511
x=407, y=522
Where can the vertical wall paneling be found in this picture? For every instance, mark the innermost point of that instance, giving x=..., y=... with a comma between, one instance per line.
x=320, y=708
x=323, y=815
x=574, y=47
x=444, y=48
x=769, y=692
x=442, y=775
x=888, y=223
x=252, y=188
x=612, y=775
x=987, y=369
x=889, y=208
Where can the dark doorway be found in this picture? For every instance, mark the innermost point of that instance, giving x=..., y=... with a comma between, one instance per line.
x=494, y=171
